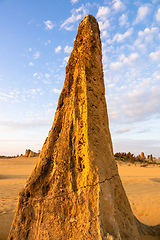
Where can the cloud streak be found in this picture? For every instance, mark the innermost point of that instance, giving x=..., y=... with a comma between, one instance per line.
x=118, y=6
x=142, y=13
x=31, y=64
x=121, y=37
x=158, y=15
x=74, y=1
x=67, y=49
x=55, y=90
x=36, y=55
x=124, y=61
x=77, y=15
x=49, y=25
x=155, y=56
x=26, y=124
x=11, y=95
x=123, y=20
x=58, y=49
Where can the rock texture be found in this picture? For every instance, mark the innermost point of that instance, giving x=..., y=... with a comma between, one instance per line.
x=75, y=191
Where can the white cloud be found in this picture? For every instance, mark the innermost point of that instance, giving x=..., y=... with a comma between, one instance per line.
x=104, y=34
x=154, y=56
x=66, y=59
x=31, y=93
x=124, y=60
x=35, y=74
x=123, y=20
x=58, y=49
x=118, y=5
x=102, y=11
x=156, y=76
x=55, y=90
x=131, y=58
x=134, y=101
x=158, y=15
x=148, y=34
x=77, y=15
x=142, y=101
x=30, y=49
x=47, y=75
x=103, y=24
x=121, y=37
x=146, y=37
x=142, y=13
x=30, y=123
x=102, y=16
x=31, y=64
x=74, y=1
x=67, y=49
x=138, y=43
x=124, y=130
x=11, y=96
x=36, y=55
x=116, y=65
x=49, y=24
x=69, y=23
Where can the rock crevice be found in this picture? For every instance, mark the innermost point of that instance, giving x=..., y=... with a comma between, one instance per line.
x=27, y=194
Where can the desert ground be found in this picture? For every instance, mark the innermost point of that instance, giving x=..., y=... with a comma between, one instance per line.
x=13, y=175
x=142, y=186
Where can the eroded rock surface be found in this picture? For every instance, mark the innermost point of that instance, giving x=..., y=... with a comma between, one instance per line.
x=75, y=191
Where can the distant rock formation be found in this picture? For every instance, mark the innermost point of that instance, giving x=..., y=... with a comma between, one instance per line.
x=30, y=153
x=27, y=152
x=142, y=155
x=75, y=191
x=150, y=158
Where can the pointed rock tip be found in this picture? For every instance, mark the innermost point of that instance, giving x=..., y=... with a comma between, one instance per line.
x=90, y=19
x=87, y=40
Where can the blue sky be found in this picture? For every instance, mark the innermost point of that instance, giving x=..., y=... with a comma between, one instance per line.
x=35, y=42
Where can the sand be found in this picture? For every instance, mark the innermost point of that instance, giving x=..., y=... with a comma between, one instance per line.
x=142, y=185
x=13, y=175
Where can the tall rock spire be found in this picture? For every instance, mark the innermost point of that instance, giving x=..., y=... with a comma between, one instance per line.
x=75, y=191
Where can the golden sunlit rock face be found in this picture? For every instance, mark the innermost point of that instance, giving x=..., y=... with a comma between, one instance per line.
x=75, y=191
